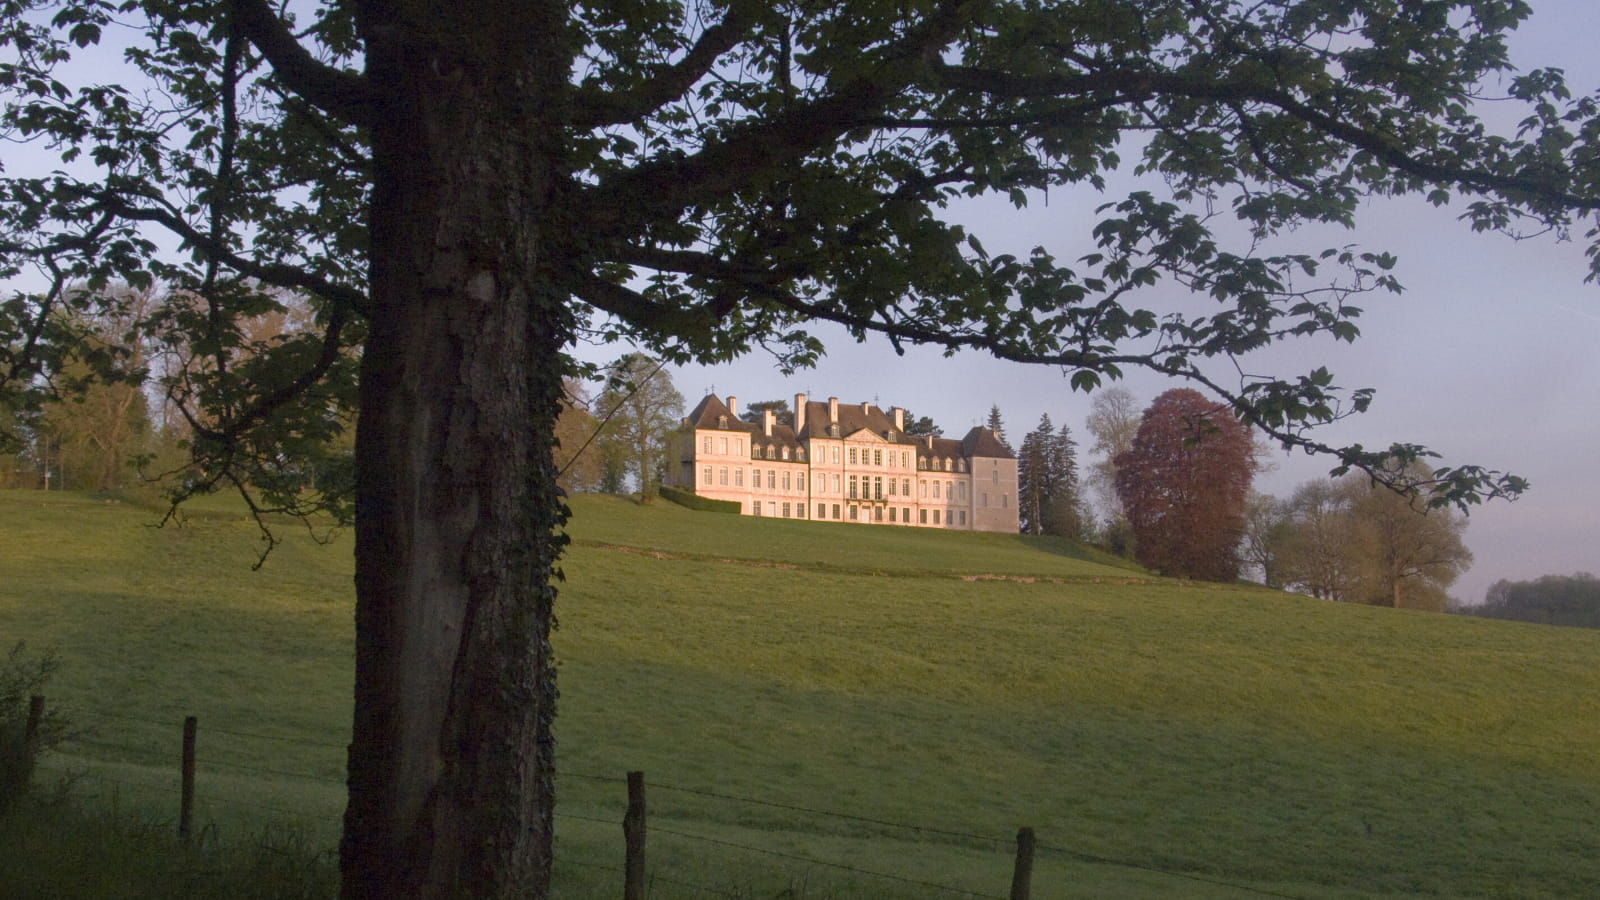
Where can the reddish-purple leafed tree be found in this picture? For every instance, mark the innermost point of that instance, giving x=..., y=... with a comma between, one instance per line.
x=1184, y=483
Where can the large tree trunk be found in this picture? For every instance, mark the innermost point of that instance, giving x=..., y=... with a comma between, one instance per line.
x=457, y=513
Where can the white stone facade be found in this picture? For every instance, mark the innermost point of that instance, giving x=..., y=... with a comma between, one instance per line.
x=851, y=463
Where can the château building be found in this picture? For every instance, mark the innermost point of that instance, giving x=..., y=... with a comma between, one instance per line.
x=845, y=463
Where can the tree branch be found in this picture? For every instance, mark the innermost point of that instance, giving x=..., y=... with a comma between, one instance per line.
x=278, y=274
x=599, y=108
x=666, y=185
x=342, y=93
x=332, y=346
x=1132, y=86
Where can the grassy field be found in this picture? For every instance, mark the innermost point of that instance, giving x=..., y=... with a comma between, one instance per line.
x=798, y=691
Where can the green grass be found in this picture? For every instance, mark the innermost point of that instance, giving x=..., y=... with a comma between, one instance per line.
x=968, y=684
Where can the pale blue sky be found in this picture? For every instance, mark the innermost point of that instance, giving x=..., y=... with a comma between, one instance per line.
x=1489, y=357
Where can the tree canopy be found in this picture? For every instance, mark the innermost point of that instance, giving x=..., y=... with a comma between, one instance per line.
x=643, y=407
x=464, y=189
x=1183, y=484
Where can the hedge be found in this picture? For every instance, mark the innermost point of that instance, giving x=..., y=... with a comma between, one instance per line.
x=695, y=501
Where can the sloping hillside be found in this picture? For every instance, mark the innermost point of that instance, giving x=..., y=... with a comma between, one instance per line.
x=798, y=691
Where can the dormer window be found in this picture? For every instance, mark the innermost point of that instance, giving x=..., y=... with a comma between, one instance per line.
x=772, y=452
x=722, y=422
x=800, y=454
x=786, y=454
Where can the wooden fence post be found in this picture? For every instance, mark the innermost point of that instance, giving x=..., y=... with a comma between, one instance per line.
x=30, y=734
x=633, y=883
x=186, y=800
x=1022, y=875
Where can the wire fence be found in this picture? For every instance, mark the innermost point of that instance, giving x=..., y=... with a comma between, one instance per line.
x=148, y=761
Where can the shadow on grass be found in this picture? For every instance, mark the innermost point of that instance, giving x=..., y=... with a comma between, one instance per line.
x=51, y=846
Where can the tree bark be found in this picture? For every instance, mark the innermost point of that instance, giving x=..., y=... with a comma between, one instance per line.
x=458, y=514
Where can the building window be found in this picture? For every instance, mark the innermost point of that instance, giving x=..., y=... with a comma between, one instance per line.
x=936, y=490
x=722, y=421
x=1005, y=501
x=905, y=515
x=996, y=476
x=722, y=476
x=755, y=479
x=836, y=510
x=922, y=516
x=983, y=499
x=800, y=481
x=705, y=445
x=786, y=480
x=852, y=487
x=786, y=454
x=963, y=486
x=836, y=487
x=723, y=446
x=772, y=479
x=707, y=480
x=755, y=508
x=936, y=517
x=892, y=486
x=877, y=457
x=877, y=489
x=738, y=446
x=877, y=514
x=963, y=517
x=822, y=511
x=905, y=486
x=905, y=460
x=772, y=452
x=922, y=489
x=738, y=477
x=891, y=514
x=800, y=510
x=836, y=460
x=853, y=513
x=786, y=510
x=949, y=490
x=800, y=454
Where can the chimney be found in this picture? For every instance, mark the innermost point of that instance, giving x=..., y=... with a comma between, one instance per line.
x=799, y=414
x=865, y=407
x=733, y=406
x=930, y=442
x=833, y=410
x=767, y=418
x=899, y=420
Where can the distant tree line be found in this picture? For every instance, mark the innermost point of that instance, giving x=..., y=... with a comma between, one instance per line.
x=1172, y=484
x=1357, y=541
x=109, y=416
x=1572, y=600
x=615, y=442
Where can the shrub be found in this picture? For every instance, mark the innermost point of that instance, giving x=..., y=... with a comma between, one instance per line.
x=695, y=501
x=20, y=680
